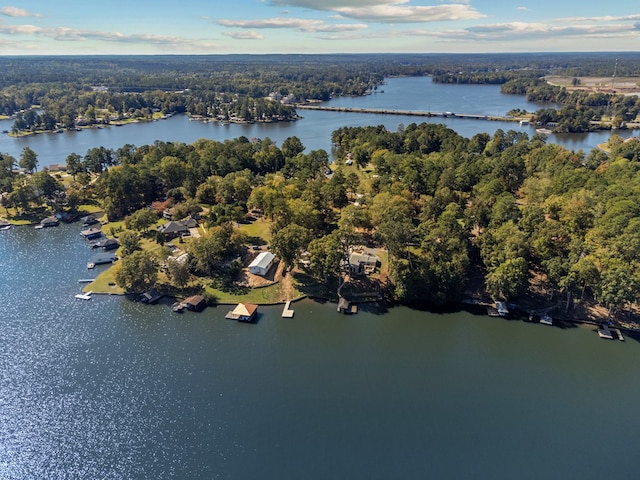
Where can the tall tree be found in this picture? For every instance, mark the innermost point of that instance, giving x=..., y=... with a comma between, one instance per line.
x=28, y=160
x=137, y=272
x=289, y=242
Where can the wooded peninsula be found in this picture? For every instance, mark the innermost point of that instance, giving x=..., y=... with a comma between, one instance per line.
x=492, y=217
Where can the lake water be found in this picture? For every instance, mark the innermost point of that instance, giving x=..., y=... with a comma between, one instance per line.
x=314, y=130
x=114, y=389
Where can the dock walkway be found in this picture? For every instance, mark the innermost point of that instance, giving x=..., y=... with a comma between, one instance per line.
x=287, y=312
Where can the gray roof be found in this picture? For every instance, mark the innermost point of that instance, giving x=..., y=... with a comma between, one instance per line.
x=263, y=260
x=172, y=227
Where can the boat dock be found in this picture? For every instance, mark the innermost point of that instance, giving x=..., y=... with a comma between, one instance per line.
x=84, y=296
x=618, y=333
x=610, y=333
x=287, y=312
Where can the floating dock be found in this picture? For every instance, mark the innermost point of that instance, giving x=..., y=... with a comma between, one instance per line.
x=618, y=333
x=287, y=312
x=604, y=332
x=84, y=296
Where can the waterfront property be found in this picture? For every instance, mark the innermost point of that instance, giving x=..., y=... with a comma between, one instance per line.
x=173, y=229
x=91, y=233
x=244, y=312
x=362, y=262
x=100, y=259
x=49, y=222
x=195, y=303
x=262, y=263
x=150, y=297
x=107, y=244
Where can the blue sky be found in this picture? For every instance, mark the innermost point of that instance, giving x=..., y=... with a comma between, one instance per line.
x=33, y=27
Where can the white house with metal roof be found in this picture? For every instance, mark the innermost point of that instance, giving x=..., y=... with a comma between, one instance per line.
x=262, y=263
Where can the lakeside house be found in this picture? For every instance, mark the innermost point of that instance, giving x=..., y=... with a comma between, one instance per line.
x=173, y=229
x=362, y=263
x=244, y=312
x=262, y=263
x=178, y=228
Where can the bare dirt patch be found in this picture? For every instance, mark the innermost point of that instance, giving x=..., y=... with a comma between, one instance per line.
x=622, y=85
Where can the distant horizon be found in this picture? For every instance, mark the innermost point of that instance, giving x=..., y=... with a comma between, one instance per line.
x=299, y=27
x=577, y=52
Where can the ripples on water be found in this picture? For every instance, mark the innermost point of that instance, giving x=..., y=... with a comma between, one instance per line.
x=70, y=407
x=113, y=389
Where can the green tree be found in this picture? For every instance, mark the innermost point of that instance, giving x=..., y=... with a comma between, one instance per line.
x=178, y=271
x=74, y=164
x=137, y=272
x=508, y=279
x=289, y=242
x=141, y=219
x=326, y=255
x=291, y=147
x=130, y=243
x=28, y=160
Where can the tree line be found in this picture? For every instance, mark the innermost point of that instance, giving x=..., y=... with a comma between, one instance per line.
x=516, y=212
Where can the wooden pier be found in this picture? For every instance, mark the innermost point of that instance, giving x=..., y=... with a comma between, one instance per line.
x=287, y=312
x=618, y=333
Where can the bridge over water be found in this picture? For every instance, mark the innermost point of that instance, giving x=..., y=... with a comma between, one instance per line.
x=416, y=113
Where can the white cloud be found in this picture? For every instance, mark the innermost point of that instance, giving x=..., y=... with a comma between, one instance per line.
x=300, y=24
x=17, y=12
x=334, y=4
x=65, y=34
x=390, y=11
x=397, y=13
x=244, y=35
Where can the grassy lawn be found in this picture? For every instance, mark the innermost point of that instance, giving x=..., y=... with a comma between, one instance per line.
x=259, y=228
x=104, y=283
x=270, y=294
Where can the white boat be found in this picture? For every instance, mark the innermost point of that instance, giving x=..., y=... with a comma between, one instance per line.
x=502, y=309
x=5, y=227
x=546, y=319
x=84, y=296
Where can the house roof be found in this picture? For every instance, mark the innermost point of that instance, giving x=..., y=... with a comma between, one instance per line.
x=358, y=258
x=90, y=231
x=189, y=222
x=194, y=300
x=263, y=260
x=172, y=227
x=245, y=309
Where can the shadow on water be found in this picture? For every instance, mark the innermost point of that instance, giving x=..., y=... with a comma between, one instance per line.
x=374, y=308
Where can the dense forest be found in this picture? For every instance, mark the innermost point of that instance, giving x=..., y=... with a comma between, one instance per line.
x=515, y=214
x=50, y=93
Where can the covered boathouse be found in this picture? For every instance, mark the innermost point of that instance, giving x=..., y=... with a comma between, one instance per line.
x=244, y=312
